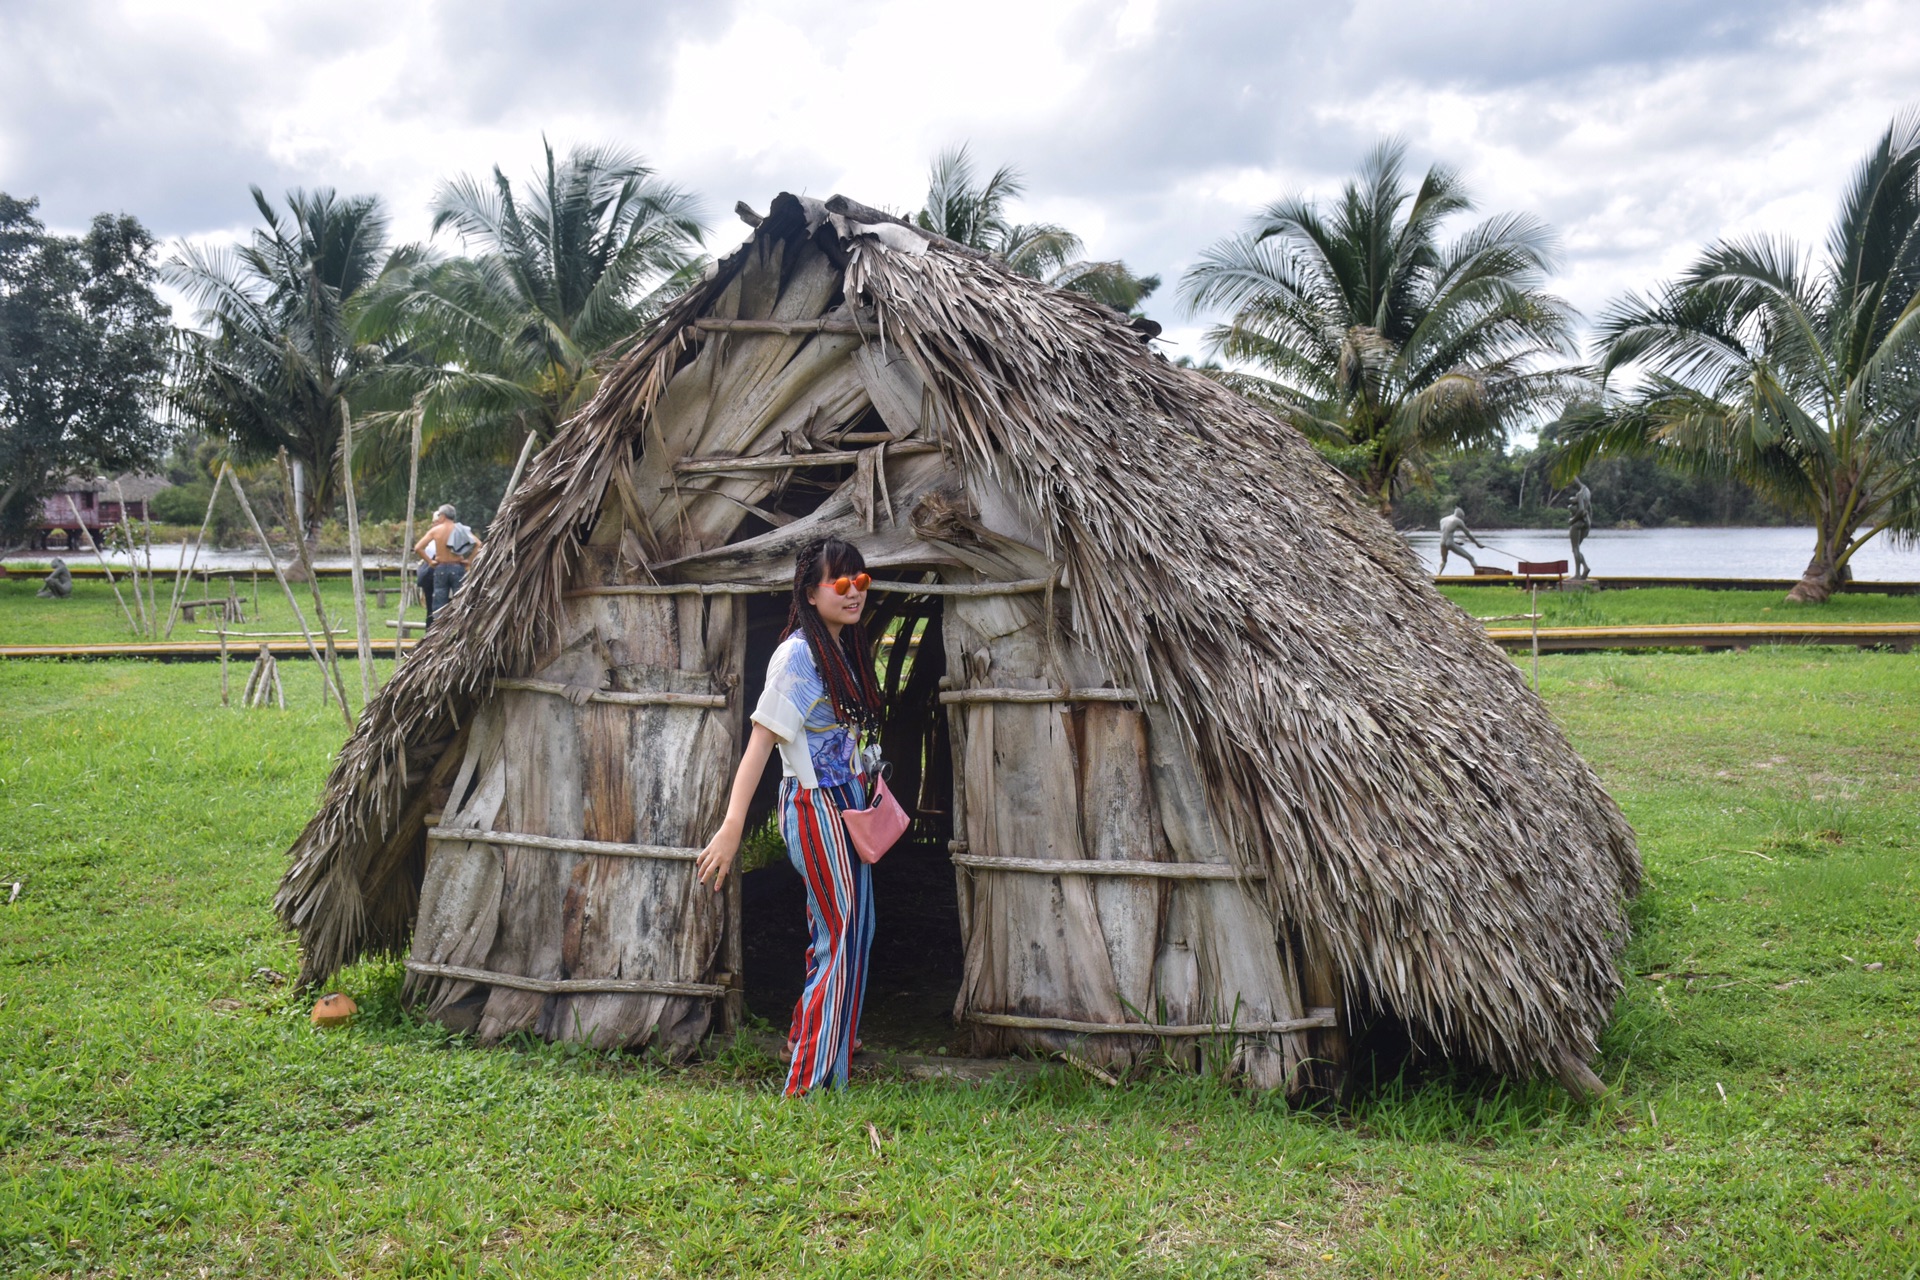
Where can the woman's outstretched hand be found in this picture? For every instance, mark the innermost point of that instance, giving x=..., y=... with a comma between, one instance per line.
x=718, y=857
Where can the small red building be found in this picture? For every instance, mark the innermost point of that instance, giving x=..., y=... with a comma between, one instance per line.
x=97, y=500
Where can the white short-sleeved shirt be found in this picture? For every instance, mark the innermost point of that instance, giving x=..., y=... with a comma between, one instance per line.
x=815, y=749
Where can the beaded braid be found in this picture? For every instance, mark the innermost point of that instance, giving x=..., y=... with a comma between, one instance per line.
x=845, y=668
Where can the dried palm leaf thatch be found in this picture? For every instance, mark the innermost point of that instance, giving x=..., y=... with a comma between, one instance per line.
x=1423, y=821
x=1422, y=828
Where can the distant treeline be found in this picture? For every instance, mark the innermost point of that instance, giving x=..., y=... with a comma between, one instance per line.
x=1509, y=490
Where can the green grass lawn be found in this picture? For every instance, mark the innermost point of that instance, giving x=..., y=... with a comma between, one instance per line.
x=163, y=1112
x=91, y=616
x=1651, y=605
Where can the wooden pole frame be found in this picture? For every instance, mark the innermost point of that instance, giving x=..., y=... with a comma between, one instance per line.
x=95, y=548
x=246, y=508
x=184, y=574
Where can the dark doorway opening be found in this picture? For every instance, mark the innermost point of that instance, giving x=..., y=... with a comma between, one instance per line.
x=913, y=973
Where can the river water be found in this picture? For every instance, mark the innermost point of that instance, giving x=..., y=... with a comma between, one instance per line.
x=1678, y=553
x=1653, y=553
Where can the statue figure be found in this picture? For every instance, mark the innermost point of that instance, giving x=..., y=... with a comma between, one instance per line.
x=1454, y=536
x=1579, y=525
x=59, y=583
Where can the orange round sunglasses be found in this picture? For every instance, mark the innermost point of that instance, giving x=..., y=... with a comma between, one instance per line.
x=858, y=582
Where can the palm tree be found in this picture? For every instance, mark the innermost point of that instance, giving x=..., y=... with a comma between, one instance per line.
x=1374, y=339
x=1801, y=378
x=277, y=355
x=512, y=339
x=974, y=214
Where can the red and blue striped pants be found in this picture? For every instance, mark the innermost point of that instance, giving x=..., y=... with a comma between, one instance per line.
x=826, y=1021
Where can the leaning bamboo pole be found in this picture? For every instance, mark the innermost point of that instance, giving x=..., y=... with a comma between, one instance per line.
x=133, y=559
x=313, y=586
x=95, y=548
x=519, y=467
x=363, y=638
x=406, y=539
x=153, y=593
x=246, y=509
x=319, y=606
x=185, y=572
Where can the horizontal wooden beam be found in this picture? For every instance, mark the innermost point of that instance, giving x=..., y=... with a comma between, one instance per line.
x=786, y=328
x=790, y=461
x=1110, y=867
x=1038, y=695
x=621, y=698
x=568, y=986
x=1022, y=586
x=265, y=635
x=679, y=589
x=1316, y=1018
x=1019, y=586
x=559, y=844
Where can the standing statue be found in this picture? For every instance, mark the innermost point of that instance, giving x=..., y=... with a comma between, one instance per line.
x=59, y=583
x=1579, y=525
x=1454, y=537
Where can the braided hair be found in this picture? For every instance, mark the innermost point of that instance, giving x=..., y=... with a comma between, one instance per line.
x=846, y=668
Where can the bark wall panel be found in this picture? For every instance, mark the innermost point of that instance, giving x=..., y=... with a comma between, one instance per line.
x=546, y=765
x=543, y=798
x=1116, y=800
x=1038, y=947
x=1239, y=967
x=1100, y=781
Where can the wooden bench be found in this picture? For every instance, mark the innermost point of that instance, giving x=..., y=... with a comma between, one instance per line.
x=229, y=608
x=1529, y=569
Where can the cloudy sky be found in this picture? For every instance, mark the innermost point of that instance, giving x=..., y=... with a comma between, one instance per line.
x=1642, y=129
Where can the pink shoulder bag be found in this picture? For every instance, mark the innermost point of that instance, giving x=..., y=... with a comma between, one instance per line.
x=876, y=828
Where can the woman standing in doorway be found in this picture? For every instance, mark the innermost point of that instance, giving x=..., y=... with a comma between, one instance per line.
x=820, y=698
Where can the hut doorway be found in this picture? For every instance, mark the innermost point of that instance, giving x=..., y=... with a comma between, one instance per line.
x=914, y=973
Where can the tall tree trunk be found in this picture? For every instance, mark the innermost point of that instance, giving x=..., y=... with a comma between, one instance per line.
x=1825, y=572
x=1379, y=482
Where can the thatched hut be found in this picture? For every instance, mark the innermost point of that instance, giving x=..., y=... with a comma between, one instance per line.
x=1214, y=762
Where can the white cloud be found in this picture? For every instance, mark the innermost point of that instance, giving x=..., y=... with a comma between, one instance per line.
x=1641, y=128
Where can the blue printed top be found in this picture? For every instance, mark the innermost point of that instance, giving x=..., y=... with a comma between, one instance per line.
x=815, y=749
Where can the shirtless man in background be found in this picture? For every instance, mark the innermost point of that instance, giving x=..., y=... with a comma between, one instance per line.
x=448, y=547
